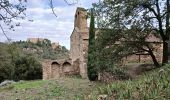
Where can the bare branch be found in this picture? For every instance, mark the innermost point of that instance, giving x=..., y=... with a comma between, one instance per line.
x=4, y=33
x=52, y=8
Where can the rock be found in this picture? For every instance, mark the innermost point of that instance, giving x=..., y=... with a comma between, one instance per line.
x=90, y=84
x=102, y=97
x=7, y=82
x=161, y=70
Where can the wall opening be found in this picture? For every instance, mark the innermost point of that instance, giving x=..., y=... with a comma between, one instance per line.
x=67, y=68
x=55, y=70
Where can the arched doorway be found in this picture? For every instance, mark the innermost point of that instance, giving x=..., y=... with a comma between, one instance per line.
x=55, y=70
x=67, y=68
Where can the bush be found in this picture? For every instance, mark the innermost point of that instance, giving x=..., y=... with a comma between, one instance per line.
x=15, y=65
x=114, y=74
x=5, y=62
x=27, y=68
x=92, y=74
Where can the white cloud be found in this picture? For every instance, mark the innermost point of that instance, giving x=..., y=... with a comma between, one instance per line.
x=45, y=24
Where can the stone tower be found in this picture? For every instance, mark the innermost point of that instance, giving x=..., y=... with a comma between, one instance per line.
x=80, y=20
x=79, y=41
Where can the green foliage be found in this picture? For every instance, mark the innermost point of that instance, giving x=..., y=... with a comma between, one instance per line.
x=27, y=68
x=134, y=20
x=92, y=71
x=43, y=50
x=18, y=63
x=119, y=73
x=153, y=85
x=5, y=62
x=15, y=65
x=29, y=84
x=61, y=89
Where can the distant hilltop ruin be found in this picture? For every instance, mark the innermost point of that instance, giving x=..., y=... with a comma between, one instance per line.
x=36, y=40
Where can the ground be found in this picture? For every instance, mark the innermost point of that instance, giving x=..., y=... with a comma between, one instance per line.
x=61, y=89
x=153, y=85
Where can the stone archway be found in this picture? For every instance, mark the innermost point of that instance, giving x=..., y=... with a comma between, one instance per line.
x=67, y=68
x=55, y=70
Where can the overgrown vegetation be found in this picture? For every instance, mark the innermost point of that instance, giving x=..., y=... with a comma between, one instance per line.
x=43, y=49
x=16, y=65
x=61, y=89
x=21, y=60
x=151, y=85
x=123, y=30
x=136, y=18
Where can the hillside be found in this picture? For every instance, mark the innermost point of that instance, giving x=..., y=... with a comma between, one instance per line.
x=43, y=49
x=22, y=60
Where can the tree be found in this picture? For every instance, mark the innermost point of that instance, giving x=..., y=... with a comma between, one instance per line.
x=92, y=71
x=11, y=11
x=27, y=68
x=140, y=14
x=16, y=10
x=66, y=1
x=5, y=62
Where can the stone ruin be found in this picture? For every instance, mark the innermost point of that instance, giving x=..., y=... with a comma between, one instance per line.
x=53, y=69
x=77, y=63
x=78, y=52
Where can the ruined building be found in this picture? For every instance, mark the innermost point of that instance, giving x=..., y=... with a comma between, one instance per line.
x=77, y=63
x=53, y=69
x=79, y=41
x=35, y=40
x=78, y=52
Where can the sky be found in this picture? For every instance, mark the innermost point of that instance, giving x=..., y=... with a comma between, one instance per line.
x=45, y=24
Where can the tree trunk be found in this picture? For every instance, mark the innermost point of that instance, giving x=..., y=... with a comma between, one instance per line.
x=154, y=59
x=165, y=53
x=166, y=39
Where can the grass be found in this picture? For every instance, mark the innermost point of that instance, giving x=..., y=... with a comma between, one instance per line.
x=30, y=84
x=154, y=85
x=61, y=89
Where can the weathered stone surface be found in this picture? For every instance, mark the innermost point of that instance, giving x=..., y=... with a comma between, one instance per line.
x=79, y=41
x=7, y=82
x=79, y=51
x=102, y=97
x=53, y=69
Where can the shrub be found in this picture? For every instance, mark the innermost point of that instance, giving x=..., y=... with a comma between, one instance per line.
x=92, y=74
x=113, y=74
x=27, y=68
x=154, y=85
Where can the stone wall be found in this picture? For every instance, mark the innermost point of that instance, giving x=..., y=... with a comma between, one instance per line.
x=79, y=51
x=144, y=57
x=54, y=69
x=35, y=40
x=79, y=44
x=79, y=41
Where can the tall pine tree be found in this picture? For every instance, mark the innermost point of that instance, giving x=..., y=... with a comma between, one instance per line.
x=92, y=71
